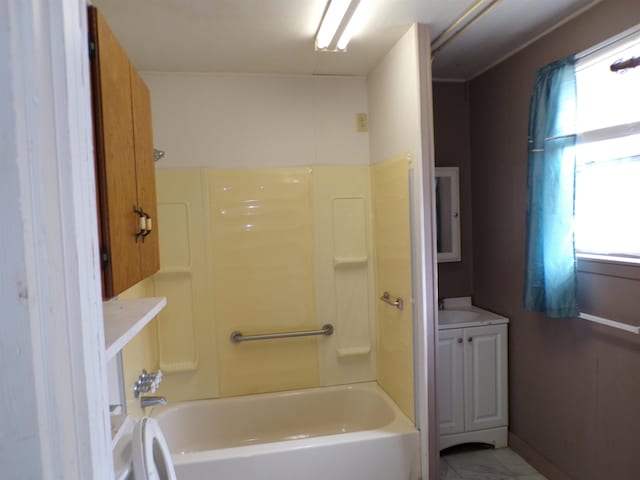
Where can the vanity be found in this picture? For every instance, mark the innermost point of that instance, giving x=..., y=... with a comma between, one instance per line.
x=472, y=375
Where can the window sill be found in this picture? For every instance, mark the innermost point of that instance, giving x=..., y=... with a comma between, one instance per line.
x=620, y=267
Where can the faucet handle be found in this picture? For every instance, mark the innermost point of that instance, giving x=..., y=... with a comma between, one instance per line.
x=147, y=382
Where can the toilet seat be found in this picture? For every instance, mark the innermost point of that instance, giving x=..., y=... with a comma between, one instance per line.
x=151, y=457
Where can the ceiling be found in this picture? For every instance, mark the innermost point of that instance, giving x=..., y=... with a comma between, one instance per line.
x=277, y=36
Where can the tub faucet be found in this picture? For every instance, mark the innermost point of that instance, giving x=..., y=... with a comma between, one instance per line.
x=151, y=401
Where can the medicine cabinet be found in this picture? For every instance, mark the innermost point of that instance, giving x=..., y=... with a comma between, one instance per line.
x=447, y=214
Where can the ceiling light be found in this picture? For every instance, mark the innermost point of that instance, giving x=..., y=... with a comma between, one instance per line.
x=338, y=25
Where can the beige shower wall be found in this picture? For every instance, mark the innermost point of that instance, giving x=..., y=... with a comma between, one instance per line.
x=262, y=246
x=142, y=351
x=251, y=122
x=262, y=250
x=392, y=232
x=187, y=352
x=344, y=272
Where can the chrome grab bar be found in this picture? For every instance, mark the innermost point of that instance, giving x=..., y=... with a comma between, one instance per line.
x=398, y=302
x=237, y=337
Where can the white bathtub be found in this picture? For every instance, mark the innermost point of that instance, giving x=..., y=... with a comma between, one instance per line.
x=349, y=432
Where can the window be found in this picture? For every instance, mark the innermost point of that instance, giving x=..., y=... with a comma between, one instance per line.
x=607, y=198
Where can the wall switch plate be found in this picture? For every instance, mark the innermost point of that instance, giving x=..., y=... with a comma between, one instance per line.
x=362, y=122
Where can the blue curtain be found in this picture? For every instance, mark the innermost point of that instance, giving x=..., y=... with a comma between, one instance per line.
x=550, y=281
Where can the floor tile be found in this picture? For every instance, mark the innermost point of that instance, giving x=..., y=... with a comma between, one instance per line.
x=473, y=463
x=446, y=472
x=513, y=462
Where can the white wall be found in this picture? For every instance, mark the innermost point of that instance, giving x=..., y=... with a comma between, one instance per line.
x=394, y=102
x=400, y=123
x=19, y=440
x=53, y=393
x=251, y=121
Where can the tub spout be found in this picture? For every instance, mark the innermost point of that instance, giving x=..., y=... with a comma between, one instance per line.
x=151, y=401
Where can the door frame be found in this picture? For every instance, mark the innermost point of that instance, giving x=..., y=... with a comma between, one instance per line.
x=425, y=269
x=55, y=395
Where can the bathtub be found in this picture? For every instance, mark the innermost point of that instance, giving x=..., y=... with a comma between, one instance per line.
x=348, y=432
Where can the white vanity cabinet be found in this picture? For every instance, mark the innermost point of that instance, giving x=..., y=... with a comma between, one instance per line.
x=472, y=382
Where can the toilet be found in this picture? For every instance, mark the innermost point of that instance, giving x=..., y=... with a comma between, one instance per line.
x=143, y=454
x=150, y=453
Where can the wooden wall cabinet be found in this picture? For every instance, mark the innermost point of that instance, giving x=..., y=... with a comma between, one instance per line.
x=125, y=174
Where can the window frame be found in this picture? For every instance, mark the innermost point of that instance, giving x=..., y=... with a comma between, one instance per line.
x=618, y=265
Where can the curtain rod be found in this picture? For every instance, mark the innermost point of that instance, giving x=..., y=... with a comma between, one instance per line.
x=610, y=323
x=473, y=20
x=619, y=65
x=457, y=22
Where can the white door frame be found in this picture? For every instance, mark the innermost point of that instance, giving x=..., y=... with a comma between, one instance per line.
x=425, y=270
x=53, y=390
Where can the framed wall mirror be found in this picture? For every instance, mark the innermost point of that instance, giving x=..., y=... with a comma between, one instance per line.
x=447, y=214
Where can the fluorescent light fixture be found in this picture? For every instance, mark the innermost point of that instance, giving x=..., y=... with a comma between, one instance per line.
x=353, y=25
x=338, y=25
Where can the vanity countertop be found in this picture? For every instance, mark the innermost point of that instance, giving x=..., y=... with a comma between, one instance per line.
x=467, y=316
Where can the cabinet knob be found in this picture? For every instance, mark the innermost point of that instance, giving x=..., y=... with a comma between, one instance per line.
x=470, y=339
x=459, y=340
x=142, y=222
x=147, y=229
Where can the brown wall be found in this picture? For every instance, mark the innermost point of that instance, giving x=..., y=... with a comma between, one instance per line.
x=574, y=386
x=452, y=149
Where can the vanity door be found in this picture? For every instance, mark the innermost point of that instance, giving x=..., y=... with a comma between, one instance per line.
x=485, y=374
x=451, y=381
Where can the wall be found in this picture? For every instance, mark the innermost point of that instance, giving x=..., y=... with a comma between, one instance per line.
x=574, y=386
x=53, y=387
x=344, y=273
x=262, y=248
x=20, y=440
x=185, y=335
x=395, y=132
x=253, y=121
x=240, y=130
x=392, y=232
x=394, y=102
x=141, y=352
x=452, y=139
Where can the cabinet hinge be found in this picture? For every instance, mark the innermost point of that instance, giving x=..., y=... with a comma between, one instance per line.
x=92, y=49
x=105, y=258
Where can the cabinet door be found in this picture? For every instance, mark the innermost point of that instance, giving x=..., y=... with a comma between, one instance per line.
x=115, y=161
x=450, y=381
x=145, y=172
x=485, y=383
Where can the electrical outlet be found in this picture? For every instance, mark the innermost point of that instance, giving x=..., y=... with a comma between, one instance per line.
x=362, y=122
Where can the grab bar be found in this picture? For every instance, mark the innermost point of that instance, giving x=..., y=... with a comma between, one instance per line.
x=610, y=323
x=237, y=337
x=398, y=302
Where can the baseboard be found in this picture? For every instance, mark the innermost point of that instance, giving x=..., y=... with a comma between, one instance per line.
x=537, y=460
